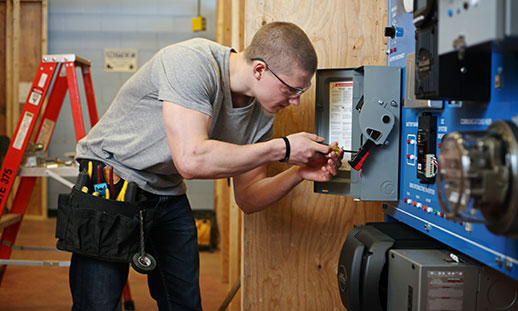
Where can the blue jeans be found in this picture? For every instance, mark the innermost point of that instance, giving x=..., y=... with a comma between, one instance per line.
x=97, y=285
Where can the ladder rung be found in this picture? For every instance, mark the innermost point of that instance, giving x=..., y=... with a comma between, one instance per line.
x=48, y=263
x=9, y=219
x=61, y=58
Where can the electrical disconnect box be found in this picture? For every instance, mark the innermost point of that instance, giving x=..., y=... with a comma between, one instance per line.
x=360, y=109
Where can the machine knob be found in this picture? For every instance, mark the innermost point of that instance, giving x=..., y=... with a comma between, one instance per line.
x=390, y=32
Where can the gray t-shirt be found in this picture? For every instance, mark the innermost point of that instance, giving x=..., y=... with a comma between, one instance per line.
x=131, y=134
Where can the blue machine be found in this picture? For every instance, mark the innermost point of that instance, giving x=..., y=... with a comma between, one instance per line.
x=419, y=205
x=434, y=135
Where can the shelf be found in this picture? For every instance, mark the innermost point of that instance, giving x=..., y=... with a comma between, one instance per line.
x=54, y=172
x=64, y=171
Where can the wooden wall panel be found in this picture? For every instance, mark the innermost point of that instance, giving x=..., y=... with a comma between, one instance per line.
x=290, y=250
x=30, y=40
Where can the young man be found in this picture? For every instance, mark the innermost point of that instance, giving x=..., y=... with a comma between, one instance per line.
x=200, y=110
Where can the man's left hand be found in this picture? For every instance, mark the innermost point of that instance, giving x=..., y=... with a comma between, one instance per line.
x=322, y=167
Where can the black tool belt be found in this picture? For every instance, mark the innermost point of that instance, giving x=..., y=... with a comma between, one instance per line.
x=98, y=227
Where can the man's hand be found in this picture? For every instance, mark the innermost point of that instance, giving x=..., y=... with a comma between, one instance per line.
x=323, y=167
x=305, y=147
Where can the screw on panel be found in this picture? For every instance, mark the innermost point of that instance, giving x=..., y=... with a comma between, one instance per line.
x=498, y=81
x=468, y=227
x=498, y=78
x=380, y=102
x=393, y=103
x=508, y=265
x=427, y=227
x=498, y=261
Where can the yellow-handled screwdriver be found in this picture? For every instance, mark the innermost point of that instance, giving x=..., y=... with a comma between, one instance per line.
x=122, y=193
x=90, y=169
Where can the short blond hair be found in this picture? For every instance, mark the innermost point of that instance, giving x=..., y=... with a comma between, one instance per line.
x=283, y=46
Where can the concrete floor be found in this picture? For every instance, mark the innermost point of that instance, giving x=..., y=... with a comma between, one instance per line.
x=27, y=288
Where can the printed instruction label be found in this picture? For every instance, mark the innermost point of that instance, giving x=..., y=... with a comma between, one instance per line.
x=340, y=116
x=43, y=79
x=35, y=97
x=445, y=291
x=23, y=130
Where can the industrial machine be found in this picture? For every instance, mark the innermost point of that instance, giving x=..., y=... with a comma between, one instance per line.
x=446, y=107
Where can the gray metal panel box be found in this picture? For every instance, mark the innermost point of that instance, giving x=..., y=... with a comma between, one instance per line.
x=376, y=106
x=430, y=280
x=476, y=22
x=511, y=24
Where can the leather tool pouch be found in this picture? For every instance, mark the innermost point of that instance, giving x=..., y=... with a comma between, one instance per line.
x=100, y=228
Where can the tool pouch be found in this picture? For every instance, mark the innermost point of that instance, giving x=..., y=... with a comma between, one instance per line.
x=100, y=228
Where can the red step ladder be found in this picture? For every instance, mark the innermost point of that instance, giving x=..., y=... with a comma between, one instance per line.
x=49, y=72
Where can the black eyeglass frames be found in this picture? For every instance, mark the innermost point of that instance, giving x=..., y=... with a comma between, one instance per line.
x=297, y=91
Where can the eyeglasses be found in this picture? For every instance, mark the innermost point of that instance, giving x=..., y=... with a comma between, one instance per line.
x=295, y=91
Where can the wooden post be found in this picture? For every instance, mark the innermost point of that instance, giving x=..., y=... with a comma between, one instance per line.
x=230, y=32
x=235, y=249
x=222, y=186
x=16, y=65
x=44, y=26
x=221, y=205
x=9, y=67
x=44, y=185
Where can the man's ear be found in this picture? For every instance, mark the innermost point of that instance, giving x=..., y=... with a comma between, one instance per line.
x=258, y=70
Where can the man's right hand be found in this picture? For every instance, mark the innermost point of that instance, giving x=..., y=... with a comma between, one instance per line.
x=305, y=146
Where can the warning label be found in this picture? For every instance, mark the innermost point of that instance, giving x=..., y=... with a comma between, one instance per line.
x=35, y=97
x=445, y=291
x=23, y=130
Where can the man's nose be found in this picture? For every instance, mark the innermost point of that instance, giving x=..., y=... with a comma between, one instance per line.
x=294, y=101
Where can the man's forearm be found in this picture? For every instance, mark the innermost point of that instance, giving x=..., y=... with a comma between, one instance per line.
x=216, y=159
x=266, y=191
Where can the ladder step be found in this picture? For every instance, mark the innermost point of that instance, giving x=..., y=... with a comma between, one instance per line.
x=21, y=262
x=9, y=219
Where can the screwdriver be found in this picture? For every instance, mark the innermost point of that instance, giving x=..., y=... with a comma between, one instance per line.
x=337, y=150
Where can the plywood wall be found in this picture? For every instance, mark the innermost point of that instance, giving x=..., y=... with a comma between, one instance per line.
x=290, y=251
